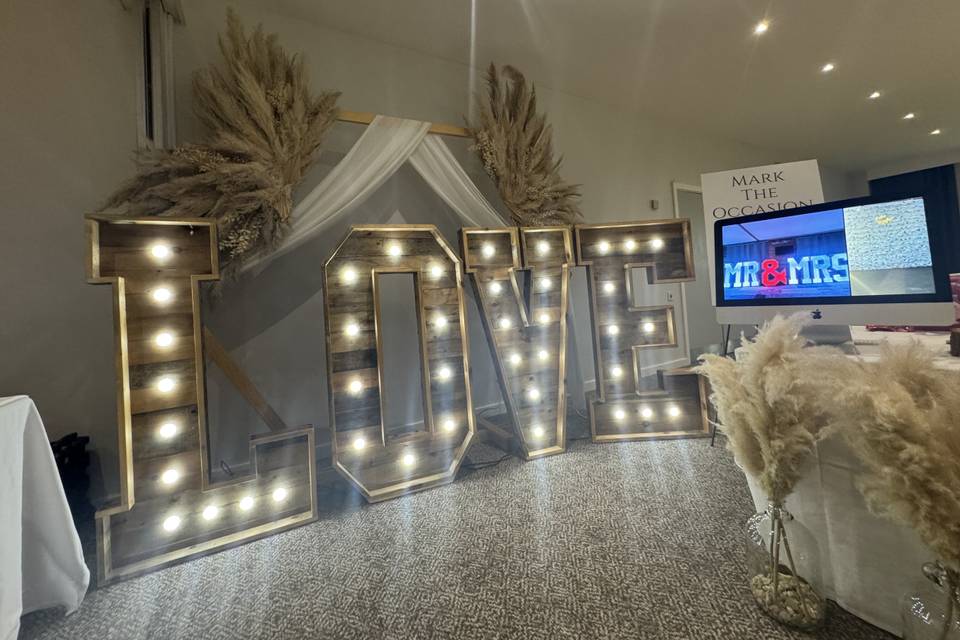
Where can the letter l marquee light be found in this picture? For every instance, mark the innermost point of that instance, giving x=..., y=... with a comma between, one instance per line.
x=169, y=509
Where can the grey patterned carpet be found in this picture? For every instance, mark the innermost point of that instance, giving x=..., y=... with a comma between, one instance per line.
x=636, y=540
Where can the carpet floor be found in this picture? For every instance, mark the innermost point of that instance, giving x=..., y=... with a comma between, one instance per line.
x=633, y=540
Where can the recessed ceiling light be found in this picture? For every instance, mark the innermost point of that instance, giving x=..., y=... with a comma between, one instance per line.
x=761, y=27
x=935, y=132
x=827, y=68
x=909, y=116
x=874, y=95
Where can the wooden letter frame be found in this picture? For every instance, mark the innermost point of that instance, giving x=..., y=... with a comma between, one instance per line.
x=624, y=406
x=169, y=509
x=530, y=351
x=374, y=457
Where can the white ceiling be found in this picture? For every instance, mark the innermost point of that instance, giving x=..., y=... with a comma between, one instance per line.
x=698, y=62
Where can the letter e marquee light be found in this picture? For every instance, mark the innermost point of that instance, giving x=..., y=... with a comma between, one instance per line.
x=381, y=460
x=169, y=509
x=624, y=405
x=528, y=341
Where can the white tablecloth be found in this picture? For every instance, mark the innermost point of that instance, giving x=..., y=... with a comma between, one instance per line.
x=41, y=562
x=867, y=563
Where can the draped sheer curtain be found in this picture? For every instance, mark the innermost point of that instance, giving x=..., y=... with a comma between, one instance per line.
x=383, y=148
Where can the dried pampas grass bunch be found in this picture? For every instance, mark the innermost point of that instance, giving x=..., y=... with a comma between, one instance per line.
x=902, y=418
x=515, y=145
x=769, y=402
x=264, y=128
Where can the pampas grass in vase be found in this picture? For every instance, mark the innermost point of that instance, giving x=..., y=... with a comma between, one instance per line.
x=901, y=417
x=770, y=405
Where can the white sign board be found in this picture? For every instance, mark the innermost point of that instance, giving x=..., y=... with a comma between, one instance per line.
x=743, y=192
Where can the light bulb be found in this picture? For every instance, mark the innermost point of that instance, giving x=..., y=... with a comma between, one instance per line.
x=545, y=284
x=537, y=431
x=515, y=358
x=656, y=243
x=160, y=251
x=543, y=354
x=352, y=329
x=163, y=339
x=449, y=425
x=616, y=372
x=505, y=323
x=279, y=494
x=168, y=430
x=444, y=372
x=674, y=411
x=436, y=271
x=169, y=476
x=496, y=288
x=603, y=247
x=935, y=132
x=613, y=330
x=166, y=384
x=827, y=68
x=608, y=287
x=348, y=275
x=210, y=512
x=172, y=523
x=649, y=327
x=630, y=245
x=646, y=413
x=440, y=321
x=356, y=386
x=874, y=95
x=162, y=295
x=544, y=318
x=488, y=250
x=408, y=459
x=761, y=27
x=909, y=116
x=543, y=247
x=533, y=394
x=246, y=503
x=619, y=414
x=359, y=443
x=394, y=250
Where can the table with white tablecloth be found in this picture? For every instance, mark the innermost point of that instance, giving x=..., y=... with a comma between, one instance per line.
x=41, y=561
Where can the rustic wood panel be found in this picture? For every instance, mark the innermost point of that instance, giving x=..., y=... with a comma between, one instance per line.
x=525, y=324
x=624, y=406
x=165, y=475
x=384, y=461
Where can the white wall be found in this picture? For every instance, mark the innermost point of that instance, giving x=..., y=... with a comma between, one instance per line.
x=68, y=130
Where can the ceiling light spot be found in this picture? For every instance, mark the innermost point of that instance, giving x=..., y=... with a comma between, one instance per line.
x=827, y=68
x=761, y=27
x=874, y=95
x=910, y=116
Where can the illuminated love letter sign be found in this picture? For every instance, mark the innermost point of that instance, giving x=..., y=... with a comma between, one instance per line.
x=382, y=460
x=527, y=329
x=169, y=508
x=626, y=406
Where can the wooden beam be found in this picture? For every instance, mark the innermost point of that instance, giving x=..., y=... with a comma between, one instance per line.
x=360, y=117
x=221, y=357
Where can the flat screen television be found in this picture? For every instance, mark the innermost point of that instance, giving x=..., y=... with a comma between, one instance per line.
x=866, y=260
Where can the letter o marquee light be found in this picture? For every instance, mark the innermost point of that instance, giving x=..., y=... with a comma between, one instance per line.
x=624, y=406
x=378, y=460
x=169, y=509
x=529, y=343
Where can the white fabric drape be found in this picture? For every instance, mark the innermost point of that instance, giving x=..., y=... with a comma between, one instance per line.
x=378, y=154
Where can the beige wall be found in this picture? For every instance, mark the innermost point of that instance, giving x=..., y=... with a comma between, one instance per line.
x=68, y=129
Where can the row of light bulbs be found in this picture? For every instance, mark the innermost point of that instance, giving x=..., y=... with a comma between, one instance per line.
x=212, y=511
x=620, y=414
x=630, y=245
x=646, y=327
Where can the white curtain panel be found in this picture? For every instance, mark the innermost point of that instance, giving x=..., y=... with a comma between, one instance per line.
x=378, y=154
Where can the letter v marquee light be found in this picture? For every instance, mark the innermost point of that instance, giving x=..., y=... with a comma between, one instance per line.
x=169, y=509
x=382, y=460
x=528, y=341
x=626, y=406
